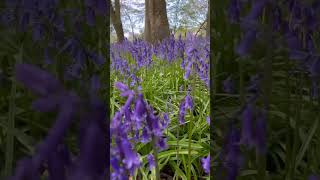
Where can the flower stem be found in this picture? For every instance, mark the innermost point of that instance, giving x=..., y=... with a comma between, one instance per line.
x=155, y=154
x=11, y=122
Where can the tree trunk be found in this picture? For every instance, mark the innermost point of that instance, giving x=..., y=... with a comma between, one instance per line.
x=157, y=25
x=116, y=20
x=147, y=30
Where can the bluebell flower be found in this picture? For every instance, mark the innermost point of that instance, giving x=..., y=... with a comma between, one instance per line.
x=150, y=158
x=131, y=159
x=37, y=80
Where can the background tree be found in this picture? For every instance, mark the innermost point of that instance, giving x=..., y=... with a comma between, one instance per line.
x=156, y=21
x=183, y=16
x=116, y=19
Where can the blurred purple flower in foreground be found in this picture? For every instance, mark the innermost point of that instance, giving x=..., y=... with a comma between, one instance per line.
x=314, y=177
x=92, y=161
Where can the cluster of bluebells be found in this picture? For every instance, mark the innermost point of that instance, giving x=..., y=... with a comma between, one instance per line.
x=52, y=154
x=58, y=27
x=58, y=30
x=135, y=122
x=294, y=23
x=297, y=23
x=170, y=49
x=194, y=52
x=252, y=133
x=197, y=57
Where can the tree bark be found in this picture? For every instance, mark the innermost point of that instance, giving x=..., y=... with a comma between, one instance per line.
x=116, y=19
x=147, y=30
x=156, y=21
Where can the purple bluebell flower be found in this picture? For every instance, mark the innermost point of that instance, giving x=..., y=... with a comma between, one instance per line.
x=131, y=159
x=140, y=109
x=234, y=11
x=232, y=154
x=37, y=80
x=162, y=143
x=47, y=104
x=188, y=70
x=122, y=87
x=57, y=132
x=90, y=16
x=118, y=172
x=57, y=163
x=151, y=161
x=145, y=138
x=256, y=10
x=228, y=85
x=246, y=43
x=165, y=121
x=188, y=102
x=26, y=170
x=93, y=157
x=206, y=164
x=314, y=177
x=208, y=120
x=182, y=112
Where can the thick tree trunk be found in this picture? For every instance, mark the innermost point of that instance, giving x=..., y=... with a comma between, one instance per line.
x=147, y=30
x=116, y=20
x=156, y=21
